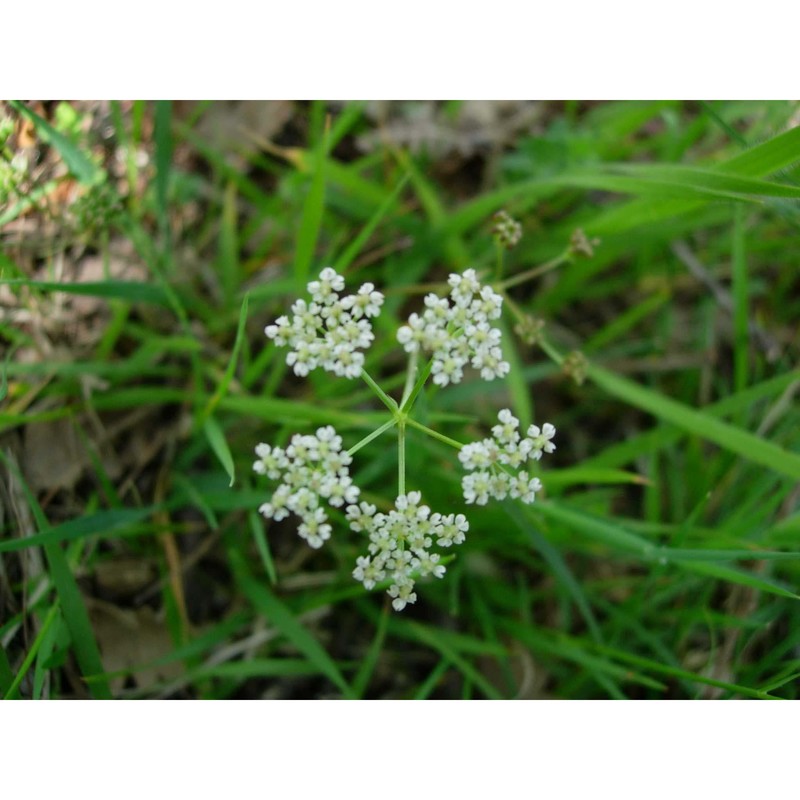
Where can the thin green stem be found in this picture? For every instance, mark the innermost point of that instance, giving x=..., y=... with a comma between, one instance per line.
x=26, y=664
x=374, y=435
x=535, y=272
x=410, y=375
x=401, y=457
x=515, y=310
x=551, y=351
x=436, y=435
x=423, y=376
x=382, y=396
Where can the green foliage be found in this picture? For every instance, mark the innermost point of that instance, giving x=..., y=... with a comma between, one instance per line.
x=662, y=560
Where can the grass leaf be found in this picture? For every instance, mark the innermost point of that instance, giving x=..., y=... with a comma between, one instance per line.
x=80, y=165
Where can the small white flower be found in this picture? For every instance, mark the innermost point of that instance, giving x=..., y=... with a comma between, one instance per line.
x=452, y=531
x=525, y=488
x=413, y=335
x=507, y=432
x=400, y=544
x=329, y=332
x=402, y=594
x=541, y=440
x=429, y=565
x=312, y=470
x=446, y=370
x=314, y=528
x=464, y=285
x=367, y=303
x=476, y=487
x=280, y=332
x=361, y=516
x=339, y=490
x=490, y=304
x=456, y=331
x=368, y=572
x=492, y=461
x=326, y=288
x=500, y=485
x=437, y=309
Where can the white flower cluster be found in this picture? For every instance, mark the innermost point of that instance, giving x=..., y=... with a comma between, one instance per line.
x=312, y=469
x=400, y=542
x=492, y=462
x=457, y=331
x=330, y=331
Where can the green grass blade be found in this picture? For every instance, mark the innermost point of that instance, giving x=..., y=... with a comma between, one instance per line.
x=683, y=555
x=570, y=476
x=654, y=177
x=740, y=302
x=228, y=255
x=683, y=674
x=454, y=248
x=77, y=162
x=612, y=535
x=284, y=620
x=72, y=606
x=571, y=649
x=370, y=660
x=738, y=576
x=275, y=410
x=766, y=158
x=663, y=436
x=231, y=368
x=431, y=638
x=354, y=248
x=620, y=539
x=184, y=484
x=311, y=221
x=559, y=567
x=31, y=654
x=6, y=673
x=776, y=683
x=430, y=683
x=256, y=526
x=163, y=164
x=101, y=522
x=216, y=439
x=4, y=375
x=130, y=291
x=748, y=445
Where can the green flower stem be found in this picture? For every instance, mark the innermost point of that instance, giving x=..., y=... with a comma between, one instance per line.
x=401, y=457
x=551, y=351
x=410, y=375
x=382, y=396
x=374, y=435
x=515, y=310
x=535, y=272
x=423, y=376
x=436, y=435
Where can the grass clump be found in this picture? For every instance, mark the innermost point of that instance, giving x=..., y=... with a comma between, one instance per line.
x=649, y=312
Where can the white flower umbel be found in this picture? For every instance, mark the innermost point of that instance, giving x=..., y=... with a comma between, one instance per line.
x=331, y=331
x=492, y=463
x=313, y=471
x=456, y=331
x=400, y=544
